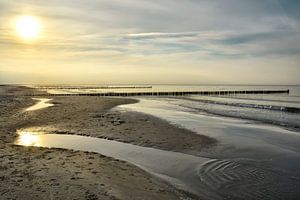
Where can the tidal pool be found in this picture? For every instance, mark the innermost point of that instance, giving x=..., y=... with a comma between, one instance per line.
x=42, y=103
x=204, y=177
x=263, y=167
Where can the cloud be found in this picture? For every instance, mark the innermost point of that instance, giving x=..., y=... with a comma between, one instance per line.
x=159, y=35
x=119, y=34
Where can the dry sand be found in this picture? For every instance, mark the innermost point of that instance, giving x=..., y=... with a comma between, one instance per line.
x=41, y=173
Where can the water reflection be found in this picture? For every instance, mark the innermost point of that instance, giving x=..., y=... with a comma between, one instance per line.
x=42, y=103
x=27, y=138
x=207, y=178
x=152, y=160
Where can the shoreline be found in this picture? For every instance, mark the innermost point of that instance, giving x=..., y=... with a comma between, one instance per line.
x=96, y=117
x=34, y=171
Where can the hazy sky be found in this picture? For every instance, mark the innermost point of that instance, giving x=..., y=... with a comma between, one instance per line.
x=153, y=41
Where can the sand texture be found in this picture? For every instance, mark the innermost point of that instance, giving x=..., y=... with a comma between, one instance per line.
x=41, y=173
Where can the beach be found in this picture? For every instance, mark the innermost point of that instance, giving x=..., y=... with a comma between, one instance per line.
x=44, y=173
x=189, y=147
x=149, y=100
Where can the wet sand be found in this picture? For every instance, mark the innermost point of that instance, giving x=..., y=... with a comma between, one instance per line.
x=93, y=116
x=41, y=173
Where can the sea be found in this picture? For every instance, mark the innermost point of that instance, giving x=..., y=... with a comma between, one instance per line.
x=278, y=109
x=258, y=151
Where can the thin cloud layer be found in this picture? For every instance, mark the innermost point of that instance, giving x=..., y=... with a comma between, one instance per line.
x=209, y=39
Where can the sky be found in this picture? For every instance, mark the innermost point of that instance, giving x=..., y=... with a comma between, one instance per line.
x=152, y=42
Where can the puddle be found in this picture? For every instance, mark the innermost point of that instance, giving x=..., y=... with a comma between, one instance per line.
x=207, y=178
x=42, y=103
x=179, y=168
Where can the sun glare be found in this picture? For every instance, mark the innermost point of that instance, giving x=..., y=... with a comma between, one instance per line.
x=28, y=139
x=28, y=27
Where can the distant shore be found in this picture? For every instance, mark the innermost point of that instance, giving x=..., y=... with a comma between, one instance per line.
x=37, y=173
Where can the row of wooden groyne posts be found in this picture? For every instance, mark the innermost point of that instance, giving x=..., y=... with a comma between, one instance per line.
x=91, y=88
x=177, y=93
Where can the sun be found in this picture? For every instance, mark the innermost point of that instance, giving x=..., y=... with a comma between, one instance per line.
x=28, y=27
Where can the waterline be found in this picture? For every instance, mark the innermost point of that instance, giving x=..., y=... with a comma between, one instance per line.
x=204, y=177
x=178, y=168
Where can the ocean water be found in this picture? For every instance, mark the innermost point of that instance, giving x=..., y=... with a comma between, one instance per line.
x=281, y=110
x=61, y=89
x=278, y=109
x=258, y=150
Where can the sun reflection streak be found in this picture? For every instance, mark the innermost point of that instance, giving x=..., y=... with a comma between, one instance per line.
x=28, y=139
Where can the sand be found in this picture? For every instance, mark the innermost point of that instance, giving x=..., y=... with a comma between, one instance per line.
x=92, y=116
x=41, y=173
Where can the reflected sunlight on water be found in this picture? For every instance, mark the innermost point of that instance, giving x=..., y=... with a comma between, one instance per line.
x=42, y=103
x=26, y=138
x=208, y=178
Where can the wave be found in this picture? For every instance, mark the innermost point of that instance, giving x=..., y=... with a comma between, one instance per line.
x=285, y=124
x=277, y=99
x=237, y=180
x=249, y=105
